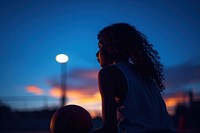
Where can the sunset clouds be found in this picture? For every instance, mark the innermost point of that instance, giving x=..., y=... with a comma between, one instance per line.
x=83, y=97
x=35, y=90
x=82, y=87
x=183, y=77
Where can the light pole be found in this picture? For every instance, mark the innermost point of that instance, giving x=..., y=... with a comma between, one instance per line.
x=62, y=59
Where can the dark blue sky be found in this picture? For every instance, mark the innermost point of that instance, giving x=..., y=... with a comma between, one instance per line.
x=33, y=32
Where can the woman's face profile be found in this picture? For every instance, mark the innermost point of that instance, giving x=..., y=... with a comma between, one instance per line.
x=102, y=58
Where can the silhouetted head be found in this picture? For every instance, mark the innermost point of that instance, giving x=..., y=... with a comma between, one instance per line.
x=123, y=42
x=114, y=43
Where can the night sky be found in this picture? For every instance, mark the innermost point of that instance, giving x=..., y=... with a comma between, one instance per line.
x=33, y=32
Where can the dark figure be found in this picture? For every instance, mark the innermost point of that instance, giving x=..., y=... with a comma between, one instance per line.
x=71, y=119
x=130, y=83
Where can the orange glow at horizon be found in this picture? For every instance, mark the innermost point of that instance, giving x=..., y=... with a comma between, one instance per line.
x=35, y=90
x=92, y=74
x=172, y=101
x=91, y=102
x=90, y=99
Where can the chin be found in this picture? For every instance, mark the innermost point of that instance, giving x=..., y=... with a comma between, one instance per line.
x=102, y=65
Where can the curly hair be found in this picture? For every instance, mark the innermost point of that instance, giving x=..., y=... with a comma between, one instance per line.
x=124, y=42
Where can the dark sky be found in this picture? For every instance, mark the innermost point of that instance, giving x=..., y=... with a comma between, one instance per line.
x=33, y=32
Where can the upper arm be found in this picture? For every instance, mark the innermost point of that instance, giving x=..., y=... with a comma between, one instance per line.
x=109, y=107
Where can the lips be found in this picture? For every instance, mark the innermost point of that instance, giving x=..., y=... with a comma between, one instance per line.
x=97, y=55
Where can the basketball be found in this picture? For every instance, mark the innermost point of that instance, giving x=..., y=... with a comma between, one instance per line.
x=71, y=119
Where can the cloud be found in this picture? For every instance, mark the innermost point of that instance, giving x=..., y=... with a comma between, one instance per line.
x=82, y=89
x=73, y=93
x=79, y=79
x=179, y=81
x=183, y=77
x=77, y=96
x=90, y=100
x=83, y=77
x=174, y=99
x=82, y=86
x=181, y=97
x=35, y=90
x=84, y=73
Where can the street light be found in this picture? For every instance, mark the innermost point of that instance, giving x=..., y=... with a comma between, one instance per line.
x=62, y=59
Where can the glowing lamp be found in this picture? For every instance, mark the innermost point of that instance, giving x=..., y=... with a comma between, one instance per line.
x=62, y=58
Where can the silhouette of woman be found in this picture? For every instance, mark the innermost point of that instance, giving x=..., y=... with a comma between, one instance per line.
x=130, y=82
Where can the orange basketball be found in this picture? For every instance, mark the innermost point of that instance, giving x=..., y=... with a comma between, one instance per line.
x=71, y=119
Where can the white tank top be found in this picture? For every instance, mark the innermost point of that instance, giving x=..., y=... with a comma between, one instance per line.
x=143, y=108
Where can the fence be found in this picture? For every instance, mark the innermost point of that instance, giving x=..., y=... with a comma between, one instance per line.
x=26, y=103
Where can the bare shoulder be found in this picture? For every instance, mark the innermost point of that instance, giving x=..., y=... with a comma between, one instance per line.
x=109, y=71
x=111, y=77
